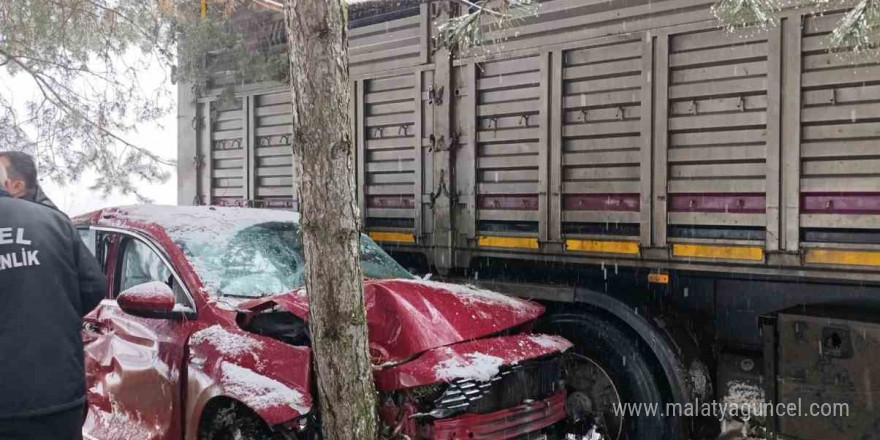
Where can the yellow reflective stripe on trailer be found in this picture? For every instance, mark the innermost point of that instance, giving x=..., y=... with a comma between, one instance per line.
x=752, y=253
x=508, y=242
x=395, y=237
x=849, y=258
x=601, y=246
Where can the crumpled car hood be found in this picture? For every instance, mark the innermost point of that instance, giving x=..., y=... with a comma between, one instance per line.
x=478, y=360
x=408, y=317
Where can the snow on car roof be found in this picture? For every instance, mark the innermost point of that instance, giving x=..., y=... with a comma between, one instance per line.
x=202, y=217
x=199, y=223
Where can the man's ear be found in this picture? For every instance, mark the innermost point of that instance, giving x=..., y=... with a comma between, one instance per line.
x=16, y=188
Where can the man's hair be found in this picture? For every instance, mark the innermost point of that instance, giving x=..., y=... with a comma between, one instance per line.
x=21, y=167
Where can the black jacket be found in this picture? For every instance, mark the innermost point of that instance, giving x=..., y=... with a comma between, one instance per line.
x=37, y=195
x=48, y=281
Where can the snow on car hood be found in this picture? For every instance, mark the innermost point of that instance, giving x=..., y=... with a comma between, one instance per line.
x=408, y=317
x=478, y=360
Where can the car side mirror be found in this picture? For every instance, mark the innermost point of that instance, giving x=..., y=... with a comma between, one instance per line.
x=151, y=300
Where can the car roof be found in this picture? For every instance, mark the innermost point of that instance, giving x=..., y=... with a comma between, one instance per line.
x=185, y=218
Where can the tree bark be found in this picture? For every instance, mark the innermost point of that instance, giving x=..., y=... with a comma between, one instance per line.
x=325, y=178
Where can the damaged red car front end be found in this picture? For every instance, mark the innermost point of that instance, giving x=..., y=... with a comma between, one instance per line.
x=495, y=388
x=450, y=361
x=505, y=424
x=443, y=369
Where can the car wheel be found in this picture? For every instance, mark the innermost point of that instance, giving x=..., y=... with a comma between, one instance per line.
x=604, y=369
x=234, y=422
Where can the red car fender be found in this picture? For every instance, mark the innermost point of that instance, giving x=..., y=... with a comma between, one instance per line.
x=270, y=377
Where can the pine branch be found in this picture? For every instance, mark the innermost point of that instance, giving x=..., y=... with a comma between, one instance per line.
x=49, y=92
x=738, y=14
x=858, y=31
x=486, y=24
x=482, y=9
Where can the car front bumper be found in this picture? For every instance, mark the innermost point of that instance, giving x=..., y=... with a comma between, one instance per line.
x=506, y=424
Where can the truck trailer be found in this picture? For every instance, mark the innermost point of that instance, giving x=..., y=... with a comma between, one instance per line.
x=698, y=208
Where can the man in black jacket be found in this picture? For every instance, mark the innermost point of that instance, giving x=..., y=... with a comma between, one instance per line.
x=21, y=171
x=48, y=281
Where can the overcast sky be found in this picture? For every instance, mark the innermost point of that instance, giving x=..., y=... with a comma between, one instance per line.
x=78, y=199
x=159, y=137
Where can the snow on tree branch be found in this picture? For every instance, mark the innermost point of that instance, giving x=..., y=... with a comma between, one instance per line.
x=858, y=30
x=737, y=14
x=484, y=22
x=86, y=60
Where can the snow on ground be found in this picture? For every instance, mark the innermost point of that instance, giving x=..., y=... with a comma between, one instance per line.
x=700, y=379
x=225, y=342
x=744, y=394
x=258, y=391
x=475, y=366
x=590, y=435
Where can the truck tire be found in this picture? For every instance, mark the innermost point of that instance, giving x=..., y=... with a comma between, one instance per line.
x=618, y=355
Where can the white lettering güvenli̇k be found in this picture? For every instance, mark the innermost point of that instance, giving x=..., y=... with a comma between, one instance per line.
x=19, y=258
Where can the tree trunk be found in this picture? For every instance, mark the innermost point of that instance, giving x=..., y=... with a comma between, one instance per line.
x=325, y=178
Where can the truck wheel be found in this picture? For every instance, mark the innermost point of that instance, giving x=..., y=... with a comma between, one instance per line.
x=604, y=369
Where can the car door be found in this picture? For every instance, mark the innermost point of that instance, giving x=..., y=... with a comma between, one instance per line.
x=133, y=364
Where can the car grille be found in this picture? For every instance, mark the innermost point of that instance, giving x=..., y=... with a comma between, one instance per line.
x=531, y=380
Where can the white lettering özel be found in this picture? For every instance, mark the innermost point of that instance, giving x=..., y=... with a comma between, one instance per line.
x=6, y=235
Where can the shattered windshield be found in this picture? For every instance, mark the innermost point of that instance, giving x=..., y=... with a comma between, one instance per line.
x=267, y=259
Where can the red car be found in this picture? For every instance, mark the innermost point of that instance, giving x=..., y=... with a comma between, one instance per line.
x=204, y=335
